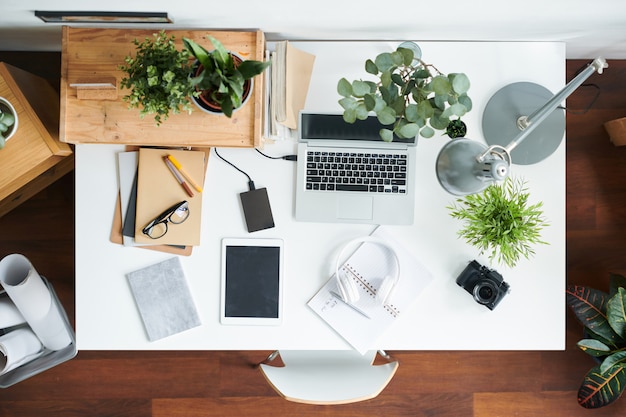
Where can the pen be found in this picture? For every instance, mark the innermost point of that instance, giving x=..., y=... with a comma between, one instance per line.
x=180, y=168
x=337, y=296
x=178, y=176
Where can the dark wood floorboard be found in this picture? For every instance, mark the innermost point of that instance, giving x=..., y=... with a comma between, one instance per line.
x=454, y=384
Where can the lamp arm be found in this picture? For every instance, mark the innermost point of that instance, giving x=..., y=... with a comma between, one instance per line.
x=528, y=123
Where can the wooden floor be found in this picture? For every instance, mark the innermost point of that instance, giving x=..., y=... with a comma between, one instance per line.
x=454, y=384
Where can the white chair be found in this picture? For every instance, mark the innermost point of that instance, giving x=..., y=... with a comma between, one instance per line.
x=328, y=377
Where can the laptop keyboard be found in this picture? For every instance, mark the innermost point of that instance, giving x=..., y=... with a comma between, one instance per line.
x=370, y=172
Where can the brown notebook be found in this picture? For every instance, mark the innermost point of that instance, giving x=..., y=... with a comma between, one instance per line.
x=158, y=189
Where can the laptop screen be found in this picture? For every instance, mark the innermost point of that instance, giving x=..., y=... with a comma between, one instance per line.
x=333, y=127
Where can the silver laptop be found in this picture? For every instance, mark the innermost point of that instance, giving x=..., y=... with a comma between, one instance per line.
x=347, y=173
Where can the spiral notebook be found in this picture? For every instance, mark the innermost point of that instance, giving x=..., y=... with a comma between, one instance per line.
x=362, y=324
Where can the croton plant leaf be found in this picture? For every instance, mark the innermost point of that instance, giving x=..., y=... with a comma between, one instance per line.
x=590, y=306
x=602, y=388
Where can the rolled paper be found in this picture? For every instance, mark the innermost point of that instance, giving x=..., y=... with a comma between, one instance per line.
x=9, y=314
x=18, y=347
x=33, y=299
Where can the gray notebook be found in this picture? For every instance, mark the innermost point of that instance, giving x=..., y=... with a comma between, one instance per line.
x=163, y=299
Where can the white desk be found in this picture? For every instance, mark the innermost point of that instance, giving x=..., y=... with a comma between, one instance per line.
x=444, y=317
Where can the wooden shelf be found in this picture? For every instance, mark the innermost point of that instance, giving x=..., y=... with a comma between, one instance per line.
x=33, y=157
x=93, y=53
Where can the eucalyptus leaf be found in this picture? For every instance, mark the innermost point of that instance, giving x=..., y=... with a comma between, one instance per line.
x=384, y=62
x=348, y=103
x=441, y=85
x=386, y=116
x=360, y=88
x=361, y=112
x=411, y=113
x=408, y=131
x=349, y=115
x=407, y=56
x=465, y=101
x=427, y=132
x=386, y=135
x=370, y=101
x=460, y=83
x=344, y=88
x=371, y=67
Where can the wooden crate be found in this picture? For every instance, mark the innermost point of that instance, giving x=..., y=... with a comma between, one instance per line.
x=33, y=157
x=95, y=54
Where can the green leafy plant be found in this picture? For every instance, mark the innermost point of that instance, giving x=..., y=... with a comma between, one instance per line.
x=500, y=221
x=158, y=77
x=604, y=319
x=220, y=78
x=7, y=120
x=413, y=96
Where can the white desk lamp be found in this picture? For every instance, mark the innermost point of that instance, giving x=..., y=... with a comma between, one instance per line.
x=465, y=166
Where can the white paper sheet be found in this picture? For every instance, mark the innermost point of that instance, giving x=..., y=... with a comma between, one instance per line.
x=32, y=298
x=18, y=347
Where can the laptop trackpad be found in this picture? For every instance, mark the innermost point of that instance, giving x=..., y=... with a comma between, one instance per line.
x=354, y=207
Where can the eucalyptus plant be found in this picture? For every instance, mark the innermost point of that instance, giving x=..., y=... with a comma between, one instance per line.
x=603, y=316
x=410, y=96
x=501, y=221
x=158, y=77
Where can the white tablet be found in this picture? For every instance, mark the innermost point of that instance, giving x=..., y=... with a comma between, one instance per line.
x=252, y=281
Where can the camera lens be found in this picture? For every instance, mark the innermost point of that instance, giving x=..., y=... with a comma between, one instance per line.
x=485, y=292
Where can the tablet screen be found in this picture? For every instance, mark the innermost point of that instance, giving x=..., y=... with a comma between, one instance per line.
x=251, y=281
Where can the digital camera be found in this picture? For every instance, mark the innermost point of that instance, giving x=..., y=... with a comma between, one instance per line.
x=486, y=285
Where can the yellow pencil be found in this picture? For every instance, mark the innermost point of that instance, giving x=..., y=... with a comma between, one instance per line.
x=180, y=168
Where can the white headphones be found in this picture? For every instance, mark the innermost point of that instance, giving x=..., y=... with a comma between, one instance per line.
x=348, y=288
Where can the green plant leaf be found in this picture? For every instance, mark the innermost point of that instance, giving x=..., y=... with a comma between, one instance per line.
x=384, y=62
x=360, y=88
x=441, y=85
x=348, y=103
x=460, y=83
x=386, y=135
x=465, y=101
x=411, y=113
x=617, y=358
x=349, y=115
x=616, y=312
x=386, y=116
x=7, y=119
x=370, y=67
x=344, y=88
x=385, y=79
x=599, y=389
x=593, y=347
x=438, y=121
x=3, y=128
x=425, y=109
x=2, y=141
x=370, y=101
x=361, y=111
x=409, y=130
x=427, y=132
x=198, y=52
x=407, y=56
x=589, y=306
x=251, y=68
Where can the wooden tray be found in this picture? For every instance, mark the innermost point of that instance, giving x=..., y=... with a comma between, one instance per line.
x=95, y=54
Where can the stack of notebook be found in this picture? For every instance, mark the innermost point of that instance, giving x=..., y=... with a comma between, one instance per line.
x=148, y=186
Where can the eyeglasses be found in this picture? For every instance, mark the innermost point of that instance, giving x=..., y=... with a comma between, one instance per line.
x=176, y=214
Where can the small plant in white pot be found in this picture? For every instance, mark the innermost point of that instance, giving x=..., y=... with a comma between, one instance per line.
x=8, y=121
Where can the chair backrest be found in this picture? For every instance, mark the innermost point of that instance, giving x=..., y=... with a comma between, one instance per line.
x=328, y=377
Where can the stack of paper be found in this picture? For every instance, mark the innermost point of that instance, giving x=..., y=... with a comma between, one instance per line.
x=362, y=323
x=290, y=77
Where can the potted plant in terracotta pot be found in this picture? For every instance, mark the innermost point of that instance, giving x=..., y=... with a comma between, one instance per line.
x=8, y=121
x=158, y=77
x=222, y=78
x=410, y=96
